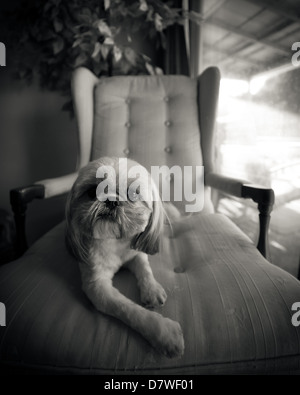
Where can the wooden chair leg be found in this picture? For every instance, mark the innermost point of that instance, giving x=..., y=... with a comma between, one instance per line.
x=19, y=198
x=264, y=221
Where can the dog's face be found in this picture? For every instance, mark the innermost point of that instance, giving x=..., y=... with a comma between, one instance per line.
x=114, y=198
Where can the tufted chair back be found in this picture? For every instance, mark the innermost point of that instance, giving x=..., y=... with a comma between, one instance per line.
x=157, y=121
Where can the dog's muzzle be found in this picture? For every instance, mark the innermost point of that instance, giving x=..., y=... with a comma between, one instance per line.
x=111, y=204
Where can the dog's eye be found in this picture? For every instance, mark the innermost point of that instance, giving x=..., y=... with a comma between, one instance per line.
x=133, y=195
x=92, y=193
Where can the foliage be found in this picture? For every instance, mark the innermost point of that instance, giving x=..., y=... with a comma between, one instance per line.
x=52, y=37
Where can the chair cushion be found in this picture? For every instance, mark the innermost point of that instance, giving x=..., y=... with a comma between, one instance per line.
x=234, y=308
x=151, y=119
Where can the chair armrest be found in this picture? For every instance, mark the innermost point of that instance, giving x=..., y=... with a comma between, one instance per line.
x=241, y=188
x=58, y=186
x=232, y=186
x=261, y=195
x=20, y=197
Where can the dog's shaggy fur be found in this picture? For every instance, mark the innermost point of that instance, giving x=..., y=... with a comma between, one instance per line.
x=106, y=235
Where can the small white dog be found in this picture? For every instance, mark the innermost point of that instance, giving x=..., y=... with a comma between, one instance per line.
x=105, y=232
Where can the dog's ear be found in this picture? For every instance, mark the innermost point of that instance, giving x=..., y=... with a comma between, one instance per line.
x=77, y=237
x=149, y=240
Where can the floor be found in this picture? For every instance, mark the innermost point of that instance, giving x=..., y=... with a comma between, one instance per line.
x=284, y=235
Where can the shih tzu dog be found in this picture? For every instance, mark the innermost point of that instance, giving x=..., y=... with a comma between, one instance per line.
x=115, y=219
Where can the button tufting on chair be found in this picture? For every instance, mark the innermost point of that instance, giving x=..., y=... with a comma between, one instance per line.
x=179, y=269
x=126, y=151
x=127, y=124
x=168, y=123
x=166, y=99
x=168, y=150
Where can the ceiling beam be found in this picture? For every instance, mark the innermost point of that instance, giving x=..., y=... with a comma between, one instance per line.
x=277, y=9
x=236, y=52
x=248, y=36
x=228, y=57
x=214, y=9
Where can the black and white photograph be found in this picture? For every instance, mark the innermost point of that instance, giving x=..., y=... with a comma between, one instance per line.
x=150, y=190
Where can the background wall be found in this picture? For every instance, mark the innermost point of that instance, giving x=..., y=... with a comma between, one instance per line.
x=37, y=141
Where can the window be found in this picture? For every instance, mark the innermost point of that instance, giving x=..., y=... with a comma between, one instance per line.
x=253, y=43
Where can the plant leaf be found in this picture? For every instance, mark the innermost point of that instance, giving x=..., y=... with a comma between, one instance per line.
x=58, y=25
x=105, y=49
x=96, y=51
x=58, y=45
x=80, y=60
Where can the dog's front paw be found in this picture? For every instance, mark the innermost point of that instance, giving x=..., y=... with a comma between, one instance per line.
x=169, y=341
x=153, y=294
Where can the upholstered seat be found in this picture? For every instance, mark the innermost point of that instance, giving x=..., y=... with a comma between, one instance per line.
x=235, y=313
x=235, y=308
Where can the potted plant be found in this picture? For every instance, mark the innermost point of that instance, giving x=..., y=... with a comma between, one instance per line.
x=55, y=36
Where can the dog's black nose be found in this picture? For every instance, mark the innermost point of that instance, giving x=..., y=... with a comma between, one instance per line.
x=111, y=204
